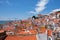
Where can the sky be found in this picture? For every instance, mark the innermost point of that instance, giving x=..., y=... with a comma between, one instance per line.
x=23, y=9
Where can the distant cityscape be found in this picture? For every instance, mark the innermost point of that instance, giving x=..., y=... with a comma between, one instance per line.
x=36, y=27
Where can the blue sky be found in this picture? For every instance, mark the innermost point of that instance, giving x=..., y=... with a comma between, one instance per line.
x=22, y=9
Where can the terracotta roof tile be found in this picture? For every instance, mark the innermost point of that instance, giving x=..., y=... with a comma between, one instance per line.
x=21, y=38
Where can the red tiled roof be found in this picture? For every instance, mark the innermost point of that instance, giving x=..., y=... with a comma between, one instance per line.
x=1, y=31
x=21, y=38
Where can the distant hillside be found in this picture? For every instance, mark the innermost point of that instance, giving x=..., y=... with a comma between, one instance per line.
x=3, y=22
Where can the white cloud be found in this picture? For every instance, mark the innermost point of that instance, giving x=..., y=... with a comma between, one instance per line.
x=39, y=9
x=31, y=12
x=40, y=6
x=55, y=10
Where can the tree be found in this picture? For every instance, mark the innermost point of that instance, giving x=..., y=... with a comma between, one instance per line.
x=33, y=17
